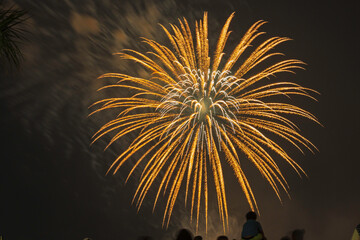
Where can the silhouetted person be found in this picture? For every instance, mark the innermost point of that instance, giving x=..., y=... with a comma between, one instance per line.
x=298, y=234
x=222, y=237
x=252, y=229
x=184, y=234
x=285, y=238
x=144, y=238
x=198, y=238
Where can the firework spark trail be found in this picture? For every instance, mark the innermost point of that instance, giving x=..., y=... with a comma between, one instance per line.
x=190, y=111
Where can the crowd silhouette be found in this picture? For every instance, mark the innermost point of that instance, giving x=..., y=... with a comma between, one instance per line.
x=252, y=230
x=185, y=234
x=297, y=234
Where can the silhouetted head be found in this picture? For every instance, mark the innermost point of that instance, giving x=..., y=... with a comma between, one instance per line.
x=251, y=215
x=222, y=237
x=144, y=238
x=298, y=234
x=184, y=234
x=285, y=238
x=198, y=238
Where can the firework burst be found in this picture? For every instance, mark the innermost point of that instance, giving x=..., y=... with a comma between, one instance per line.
x=196, y=113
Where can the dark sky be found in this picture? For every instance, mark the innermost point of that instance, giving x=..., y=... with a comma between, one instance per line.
x=53, y=184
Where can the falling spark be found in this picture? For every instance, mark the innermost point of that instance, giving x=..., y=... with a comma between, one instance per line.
x=196, y=113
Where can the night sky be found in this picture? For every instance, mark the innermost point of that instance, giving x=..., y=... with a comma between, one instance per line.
x=53, y=183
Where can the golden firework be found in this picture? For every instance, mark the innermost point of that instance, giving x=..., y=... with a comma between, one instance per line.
x=195, y=112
